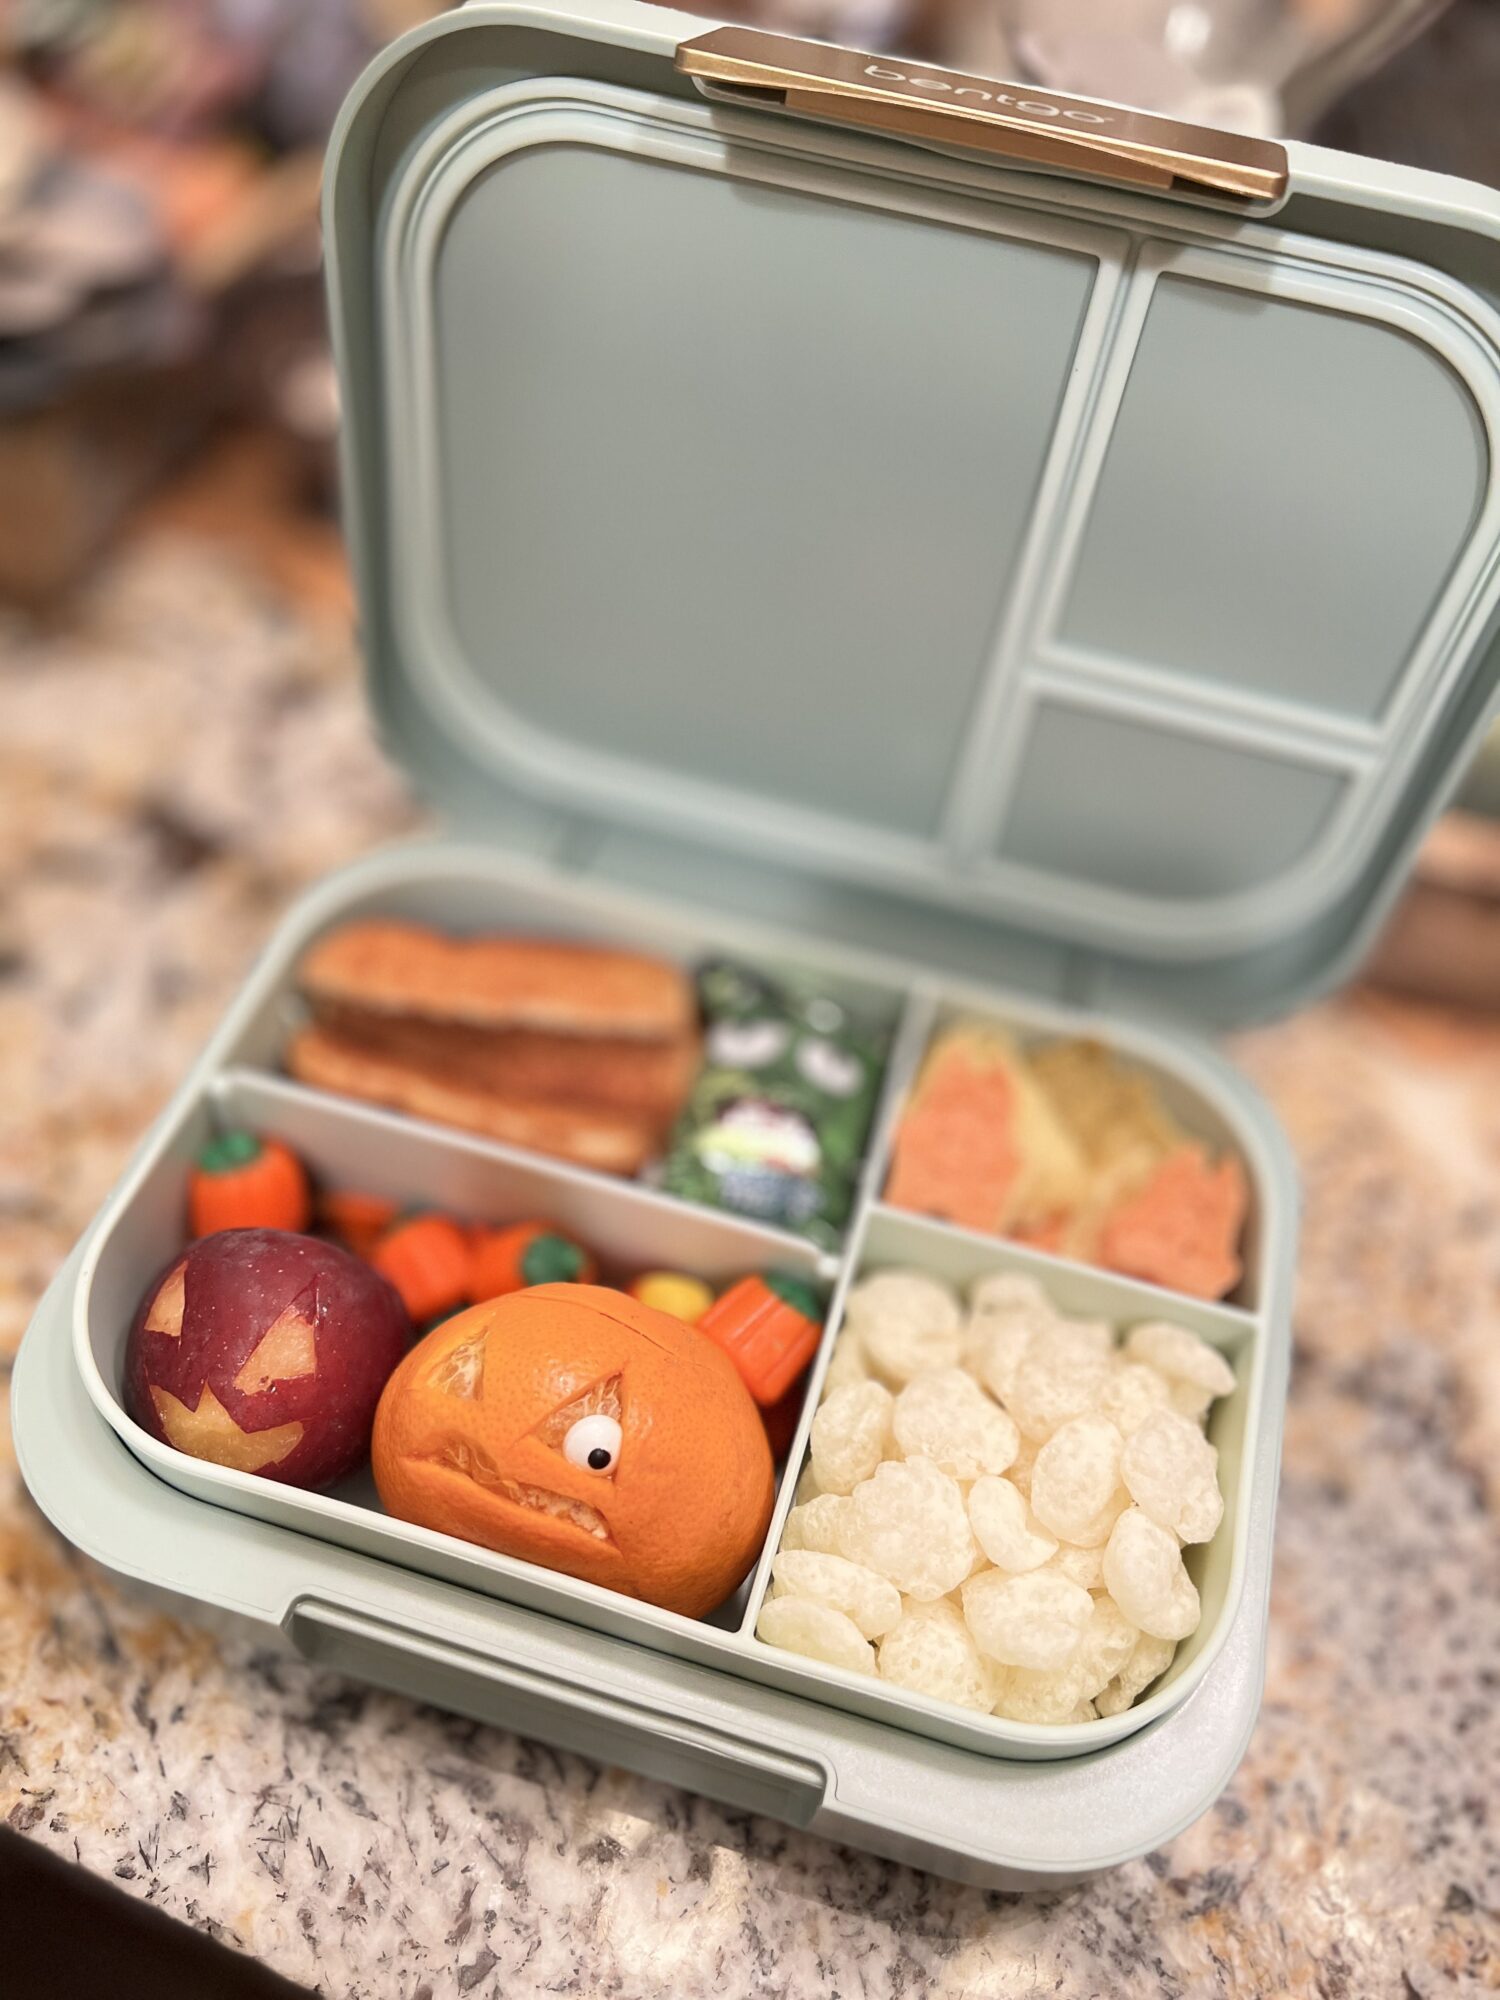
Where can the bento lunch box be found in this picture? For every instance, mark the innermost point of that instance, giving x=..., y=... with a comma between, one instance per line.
x=1007, y=556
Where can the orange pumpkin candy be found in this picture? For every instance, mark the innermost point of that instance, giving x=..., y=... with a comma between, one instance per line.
x=571, y=1426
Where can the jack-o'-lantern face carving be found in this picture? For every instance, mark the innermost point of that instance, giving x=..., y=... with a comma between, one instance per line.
x=266, y=1352
x=573, y=1427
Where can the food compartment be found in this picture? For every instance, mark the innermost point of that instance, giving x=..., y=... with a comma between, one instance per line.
x=627, y=1229
x=1081, y=1146
x=730, y=1077
x=913, y=1610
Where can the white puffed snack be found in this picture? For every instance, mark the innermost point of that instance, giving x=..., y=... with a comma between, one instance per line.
x=1085, y=1567
x=873, y=1603
x=1171, y=1470
x=1021, y=1467
x=945, y=1416
x=815, y=1524
x=1062, y=1374
x=929, y=1651
x=906, y=1322
x=1003, y=1291
x=1026, y=1621
x=817, y=1631
x=1133, y=1392
x=908, y=1523
x=995, y=1345
x=1180, y=1356
x=1190, y=1401
x=849, y=1434
x=1003, y=1527
x=1024, y=1694
x=847, y=1362
x=1106, y=1647
x=1150, y=1658
x=1143, y=1573
x=1075, y=1484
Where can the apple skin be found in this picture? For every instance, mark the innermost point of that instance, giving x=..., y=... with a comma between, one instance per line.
x=341, y=1331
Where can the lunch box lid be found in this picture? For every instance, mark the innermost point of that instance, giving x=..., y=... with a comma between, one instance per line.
x=1077, y=562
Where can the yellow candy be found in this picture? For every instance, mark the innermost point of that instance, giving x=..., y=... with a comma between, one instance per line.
x=673, y=1292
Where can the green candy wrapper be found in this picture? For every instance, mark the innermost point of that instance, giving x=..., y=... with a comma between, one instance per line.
x=778, y=1119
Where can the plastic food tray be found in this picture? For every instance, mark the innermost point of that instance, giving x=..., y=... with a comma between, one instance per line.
x=1000, y=589
x=140, y=1232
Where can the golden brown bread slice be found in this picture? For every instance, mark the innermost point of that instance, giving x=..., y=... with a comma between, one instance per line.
x=611, y=1141
x=499, y=982
x=647, y=1079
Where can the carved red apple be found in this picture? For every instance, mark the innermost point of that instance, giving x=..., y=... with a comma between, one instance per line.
x=267, y=1352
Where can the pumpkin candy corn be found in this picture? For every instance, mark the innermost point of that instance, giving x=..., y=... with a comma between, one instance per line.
x=769, y=1327
x=245, y=1182
x=527, y=1253
x=357, y=1220
x=426, y=1258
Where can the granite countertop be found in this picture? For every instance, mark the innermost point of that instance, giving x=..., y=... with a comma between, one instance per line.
x=175, y=762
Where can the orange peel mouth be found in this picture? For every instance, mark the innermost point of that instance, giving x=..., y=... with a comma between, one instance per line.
x=457, y=1455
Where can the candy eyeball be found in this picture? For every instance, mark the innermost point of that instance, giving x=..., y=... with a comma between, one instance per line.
x=593, y=1443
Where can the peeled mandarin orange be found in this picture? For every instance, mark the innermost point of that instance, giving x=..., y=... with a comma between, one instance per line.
x=572, y=1426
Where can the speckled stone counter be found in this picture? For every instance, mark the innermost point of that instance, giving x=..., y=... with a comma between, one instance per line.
x=174, y=764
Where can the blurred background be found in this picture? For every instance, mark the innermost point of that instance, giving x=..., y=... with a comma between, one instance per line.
x=182, y=740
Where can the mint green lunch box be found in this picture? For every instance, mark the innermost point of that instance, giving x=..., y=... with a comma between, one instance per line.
x=1007, y=556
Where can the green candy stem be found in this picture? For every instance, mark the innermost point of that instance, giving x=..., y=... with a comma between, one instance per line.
x=551, y=1260
x=794, y=1292
x=228, y=1151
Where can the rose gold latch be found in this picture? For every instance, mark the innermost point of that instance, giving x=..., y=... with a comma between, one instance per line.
x=940, y=106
